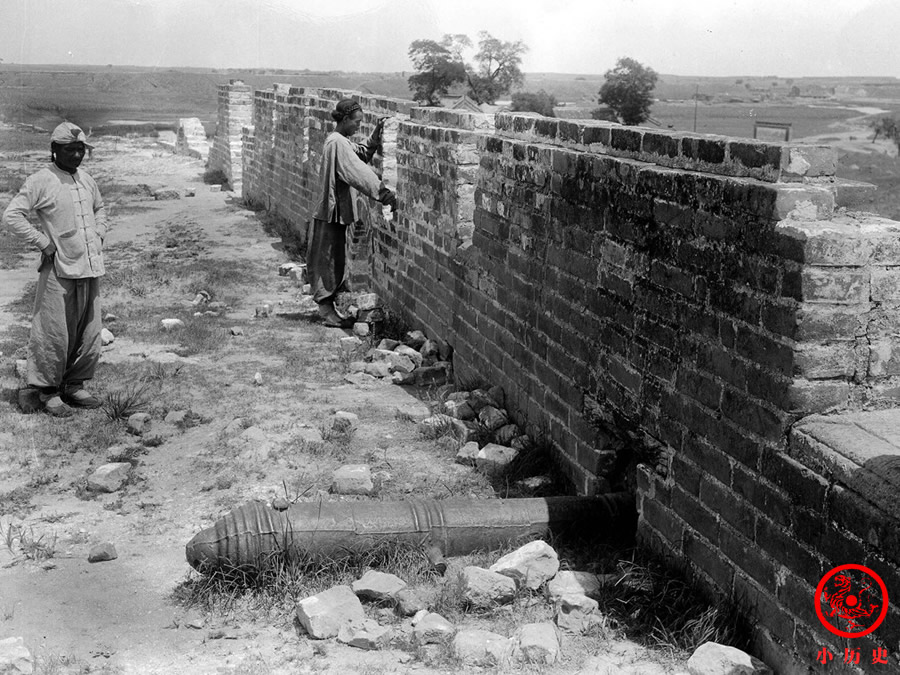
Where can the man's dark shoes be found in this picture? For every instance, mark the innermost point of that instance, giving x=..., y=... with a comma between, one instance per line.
x=331, y=318
x=80, y=398
x=55, y=406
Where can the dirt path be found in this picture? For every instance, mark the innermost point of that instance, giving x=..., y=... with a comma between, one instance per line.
x=242, y=441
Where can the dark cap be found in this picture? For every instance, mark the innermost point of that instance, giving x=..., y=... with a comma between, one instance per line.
x=344, y=108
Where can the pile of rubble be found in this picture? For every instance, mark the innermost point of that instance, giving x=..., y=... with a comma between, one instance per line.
x=414, y=360
x=399, y=616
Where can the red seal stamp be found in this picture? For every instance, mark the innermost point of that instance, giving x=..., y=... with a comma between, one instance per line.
x=851, y=601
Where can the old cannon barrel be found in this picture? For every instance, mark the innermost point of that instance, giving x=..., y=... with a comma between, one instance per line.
x=252, y=532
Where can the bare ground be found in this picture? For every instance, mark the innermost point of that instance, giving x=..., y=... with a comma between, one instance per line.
x=129, y=615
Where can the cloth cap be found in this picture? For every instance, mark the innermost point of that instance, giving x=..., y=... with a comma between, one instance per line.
x=69, y=133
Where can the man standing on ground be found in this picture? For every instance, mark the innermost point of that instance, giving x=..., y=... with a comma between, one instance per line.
x=344, y=170
x=65, y=329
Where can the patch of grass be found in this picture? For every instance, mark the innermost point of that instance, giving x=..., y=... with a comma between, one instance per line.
x=271, y=587
x=37, y=548
x=120, y=404
x=215, y=177
x=16, y=501
x=198, y=337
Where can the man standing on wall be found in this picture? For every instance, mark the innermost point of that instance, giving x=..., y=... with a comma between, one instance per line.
x=65, y=330
x=344, y=170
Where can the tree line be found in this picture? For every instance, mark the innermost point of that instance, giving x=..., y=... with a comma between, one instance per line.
x=495, y=71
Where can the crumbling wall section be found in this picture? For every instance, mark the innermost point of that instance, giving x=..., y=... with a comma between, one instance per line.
x=235, y=110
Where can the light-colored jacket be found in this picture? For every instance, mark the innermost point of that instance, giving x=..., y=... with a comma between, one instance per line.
x=344, y=170
x=72, y=216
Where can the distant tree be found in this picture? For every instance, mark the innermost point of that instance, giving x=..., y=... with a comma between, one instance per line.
x=439, y=66
x=497, y=68
x=540, y=102
x=889, y=127
x=628, y=90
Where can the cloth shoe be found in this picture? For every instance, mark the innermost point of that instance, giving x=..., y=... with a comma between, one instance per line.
x=330, y=317
x=81, y=398
x=55, y=406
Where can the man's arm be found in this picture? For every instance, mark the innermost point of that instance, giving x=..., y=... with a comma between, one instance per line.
x=352, y=170
x=15, y=218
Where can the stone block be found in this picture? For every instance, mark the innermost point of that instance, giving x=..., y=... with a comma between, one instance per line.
x=352, y=479
x=711, y=658
x=431, y=627
x=109, y=477
x=492, y=418
x=537, y=643
x=378, y=586
x=530, y=566
x=576, y=613
x=468, y=454
x=366, y=301
x=474, y=647
x=102, y=553
x=378, y=369
x=492, y=459
x=323, y=614
x=573, y=583
x=139, y=424
x=482, y=588
x=836, y=286
x=410, y=602
x=366, y=634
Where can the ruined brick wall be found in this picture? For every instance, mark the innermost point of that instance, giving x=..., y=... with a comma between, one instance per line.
x=694, y=294
x=235, y=107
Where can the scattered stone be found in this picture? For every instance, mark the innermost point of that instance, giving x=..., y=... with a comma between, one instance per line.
x=284, y=269
x=343, y=420
x=22, y=368
x=432, y=375
x=530, y=565
x=107, y=337
x=431, y=628
x=535, y=483
x=414, y=411
x=410, y=602
x=350, y=344
x=15, y=659
x=175, y=417
x=711, y=658
x=201, y=298
x=403, y=378
x=492, y=418
x=110, y=318
x=298, y=275
x=360, y=329
x=215, y=188
x=478, y=399
x=410, y=353
x=464, y=412
x=190, y=192
x=263, y=311
x=429, y=351
x=109, y=477
x=139, y=423
x=506, y=434
x=370, y=315
x=414, y=339
x=402, y=364
x=467, y=454
x=323, y=614
x=357, y=366
x=366, y=634
x=378, y=586
x=576, y=613
x=352, y=479
x=460, y=431
x=367, y=301
x=483, y=588
x=257, y=379
x=161, y=195
x=171, y=324
x=306, y=290
x=572, y=583
x=378, y=369
x=492, y=459
x=537, y=643
x=280, y=504
x=237, y=330
x=496, y=394
x=388, y=345
x=360, y=379
x=520, y=442
x=475, y=647
x=102, y=553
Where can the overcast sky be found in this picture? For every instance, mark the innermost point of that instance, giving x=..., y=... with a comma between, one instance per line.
x=788, y=38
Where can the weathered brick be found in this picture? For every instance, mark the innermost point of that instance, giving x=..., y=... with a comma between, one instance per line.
x=695, y=514
x=755, y=562
x=820, y=362
x=804, y=486
x=719, y=499
x=709, y=559
x=805, y=397
x=753, y=416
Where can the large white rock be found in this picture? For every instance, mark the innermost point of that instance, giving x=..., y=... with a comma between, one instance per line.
x=481, y=648
x=572, y=583
x=139, y=423
x=171, y=324
x=364, y=635
x=467, y=454
x=352, y=479
x=106, y=337
x=109, y=477
x=493, y=458
x=530, y=565
x=378, y=586
x=431, y=627
x=576, y=614
x=711, y=658
x=15, y=659
x=483, y=588
x=537, y=643
x=323, y=614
